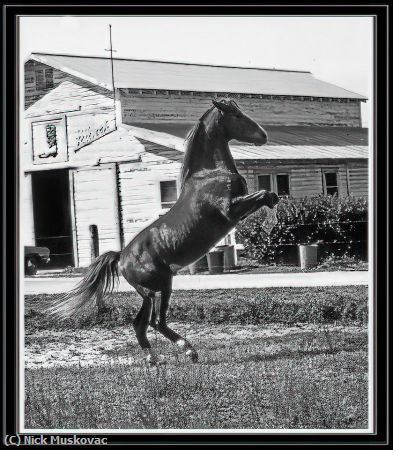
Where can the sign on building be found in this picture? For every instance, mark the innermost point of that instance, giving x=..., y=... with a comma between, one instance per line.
x=49, y=141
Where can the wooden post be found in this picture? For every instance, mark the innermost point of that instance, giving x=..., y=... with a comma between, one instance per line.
x=94, y=242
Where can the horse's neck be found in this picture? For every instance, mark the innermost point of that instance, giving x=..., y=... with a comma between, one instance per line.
x=206, y=149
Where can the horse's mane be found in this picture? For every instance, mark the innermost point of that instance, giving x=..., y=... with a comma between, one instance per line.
x=189, y=141
x=195, y=129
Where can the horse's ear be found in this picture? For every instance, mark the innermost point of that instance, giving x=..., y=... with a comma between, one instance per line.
x=220, y=105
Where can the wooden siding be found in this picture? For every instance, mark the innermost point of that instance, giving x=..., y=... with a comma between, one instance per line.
x=160, y=107
x=68, y=93
x=95, y=199
x=139, y=187
x=306, y=180
x=358, y=180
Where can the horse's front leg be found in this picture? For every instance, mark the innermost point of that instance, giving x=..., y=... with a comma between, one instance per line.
x=241, y=207
x=159, y=323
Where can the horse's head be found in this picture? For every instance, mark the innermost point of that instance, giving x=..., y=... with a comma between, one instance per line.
x=238, y=125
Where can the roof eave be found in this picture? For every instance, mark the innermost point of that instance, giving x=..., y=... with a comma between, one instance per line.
x=72, y=72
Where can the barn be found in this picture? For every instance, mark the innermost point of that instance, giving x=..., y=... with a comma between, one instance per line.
x=97, y=150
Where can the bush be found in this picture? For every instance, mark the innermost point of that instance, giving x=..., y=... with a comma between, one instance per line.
x=338, y=224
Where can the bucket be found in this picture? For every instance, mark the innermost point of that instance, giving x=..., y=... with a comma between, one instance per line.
x=230, y=257
x=198, y=266
x=215, y=260
x=308, y=255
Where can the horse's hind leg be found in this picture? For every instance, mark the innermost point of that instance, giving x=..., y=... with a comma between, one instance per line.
x=160, y=325
x=141, y=323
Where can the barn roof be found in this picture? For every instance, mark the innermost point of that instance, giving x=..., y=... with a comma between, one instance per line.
x=143, y=74
x=283, y=135
x=285, y=151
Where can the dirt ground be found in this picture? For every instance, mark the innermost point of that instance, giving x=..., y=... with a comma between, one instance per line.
x=98, y=345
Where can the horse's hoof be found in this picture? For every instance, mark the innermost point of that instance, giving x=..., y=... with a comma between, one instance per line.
x=193, y=355
x=272, y=199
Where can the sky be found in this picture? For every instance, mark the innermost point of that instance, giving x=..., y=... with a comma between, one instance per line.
x=334, y=49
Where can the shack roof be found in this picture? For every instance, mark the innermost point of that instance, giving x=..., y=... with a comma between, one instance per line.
x=130, y=144
x=288, y=150
x=147, y=74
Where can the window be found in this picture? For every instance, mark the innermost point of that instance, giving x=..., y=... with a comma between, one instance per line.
x=44, y=79
x=264, y=182
x=278, y=183
x=282, y=182
x=168, y=193
x=330, y=183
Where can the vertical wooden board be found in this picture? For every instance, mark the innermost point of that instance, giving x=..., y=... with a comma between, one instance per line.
x=26, y=211
x=140, y=195
x=342, y=181
x=96, y=206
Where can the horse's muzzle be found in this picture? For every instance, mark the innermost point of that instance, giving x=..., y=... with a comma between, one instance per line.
x=260, y=137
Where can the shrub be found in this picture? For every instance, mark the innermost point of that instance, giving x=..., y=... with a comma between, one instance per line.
x=339, y=224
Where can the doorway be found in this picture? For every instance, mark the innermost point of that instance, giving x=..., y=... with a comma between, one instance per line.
x=52, y=215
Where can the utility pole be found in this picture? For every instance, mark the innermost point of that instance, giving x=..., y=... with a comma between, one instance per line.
x=110, y=49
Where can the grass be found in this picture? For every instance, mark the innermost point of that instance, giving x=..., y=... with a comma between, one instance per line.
x=247, y=265
x=340, y=304
x=291, y=382
x=312, y=377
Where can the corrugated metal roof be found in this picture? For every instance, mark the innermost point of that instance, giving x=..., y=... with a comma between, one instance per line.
x=293, y=152
x=283, y=135
x=265, y=152
x=139, y=74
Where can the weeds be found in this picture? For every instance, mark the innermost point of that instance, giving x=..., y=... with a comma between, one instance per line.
x=312, y=377
x=343, y=304
x=320, y=391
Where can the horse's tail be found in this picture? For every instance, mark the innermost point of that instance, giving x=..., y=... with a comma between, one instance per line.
x=99, y=280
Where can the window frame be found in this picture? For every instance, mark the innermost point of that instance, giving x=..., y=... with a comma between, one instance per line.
x=324, y=185
x=264, y=174
x=165, y=205
x=273, y=181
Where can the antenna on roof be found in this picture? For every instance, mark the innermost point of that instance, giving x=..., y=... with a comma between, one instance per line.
x=110, y=49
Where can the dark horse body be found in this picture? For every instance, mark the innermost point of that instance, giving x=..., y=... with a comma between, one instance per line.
x=213, y=199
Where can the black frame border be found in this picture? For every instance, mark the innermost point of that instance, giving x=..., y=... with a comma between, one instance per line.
x=10, y=122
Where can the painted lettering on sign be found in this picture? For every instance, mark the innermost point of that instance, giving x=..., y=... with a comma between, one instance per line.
x=86, y=135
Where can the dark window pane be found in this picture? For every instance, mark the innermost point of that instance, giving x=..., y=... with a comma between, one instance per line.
x=330, y=179
x=168, y=193
x=332, y=190
x=264, y=183
x=331, y=183
x=283, y=184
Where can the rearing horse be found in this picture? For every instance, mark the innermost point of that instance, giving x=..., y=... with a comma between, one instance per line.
x=212, y=200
